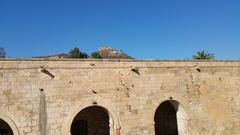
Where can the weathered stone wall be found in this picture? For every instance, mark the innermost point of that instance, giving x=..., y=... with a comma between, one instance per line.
x=208, y=94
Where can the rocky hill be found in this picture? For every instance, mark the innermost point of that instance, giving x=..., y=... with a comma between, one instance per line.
x=110, y=53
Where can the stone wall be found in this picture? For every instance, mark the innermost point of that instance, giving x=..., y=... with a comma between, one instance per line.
x=206, y=95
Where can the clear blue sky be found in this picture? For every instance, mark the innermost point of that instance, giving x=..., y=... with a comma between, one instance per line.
x=145, y=29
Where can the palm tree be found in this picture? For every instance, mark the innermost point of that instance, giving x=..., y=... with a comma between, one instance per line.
x=202, y=55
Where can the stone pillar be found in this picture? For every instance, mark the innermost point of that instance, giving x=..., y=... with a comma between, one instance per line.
x=152, y=129
x=42, y=114
x=117, y=130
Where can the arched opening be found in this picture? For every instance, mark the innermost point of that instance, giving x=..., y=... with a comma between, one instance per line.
x=166, y=119
x=5, y=129
x=93, y=120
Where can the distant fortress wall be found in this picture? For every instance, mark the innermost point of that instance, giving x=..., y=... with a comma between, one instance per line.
x=119, y=97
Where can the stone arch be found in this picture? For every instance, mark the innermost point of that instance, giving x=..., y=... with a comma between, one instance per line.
x=165, y=119
x=181, y=116
x=114, y=122
x=92, y=120
x=10, y=123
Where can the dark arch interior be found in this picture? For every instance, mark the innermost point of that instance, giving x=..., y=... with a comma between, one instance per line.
x=5, y=129
x=92, y=120
x=165, y=119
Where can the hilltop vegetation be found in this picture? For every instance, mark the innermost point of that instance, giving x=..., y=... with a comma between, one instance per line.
x=108, y=53
x=2, y=53
x=102, y=53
